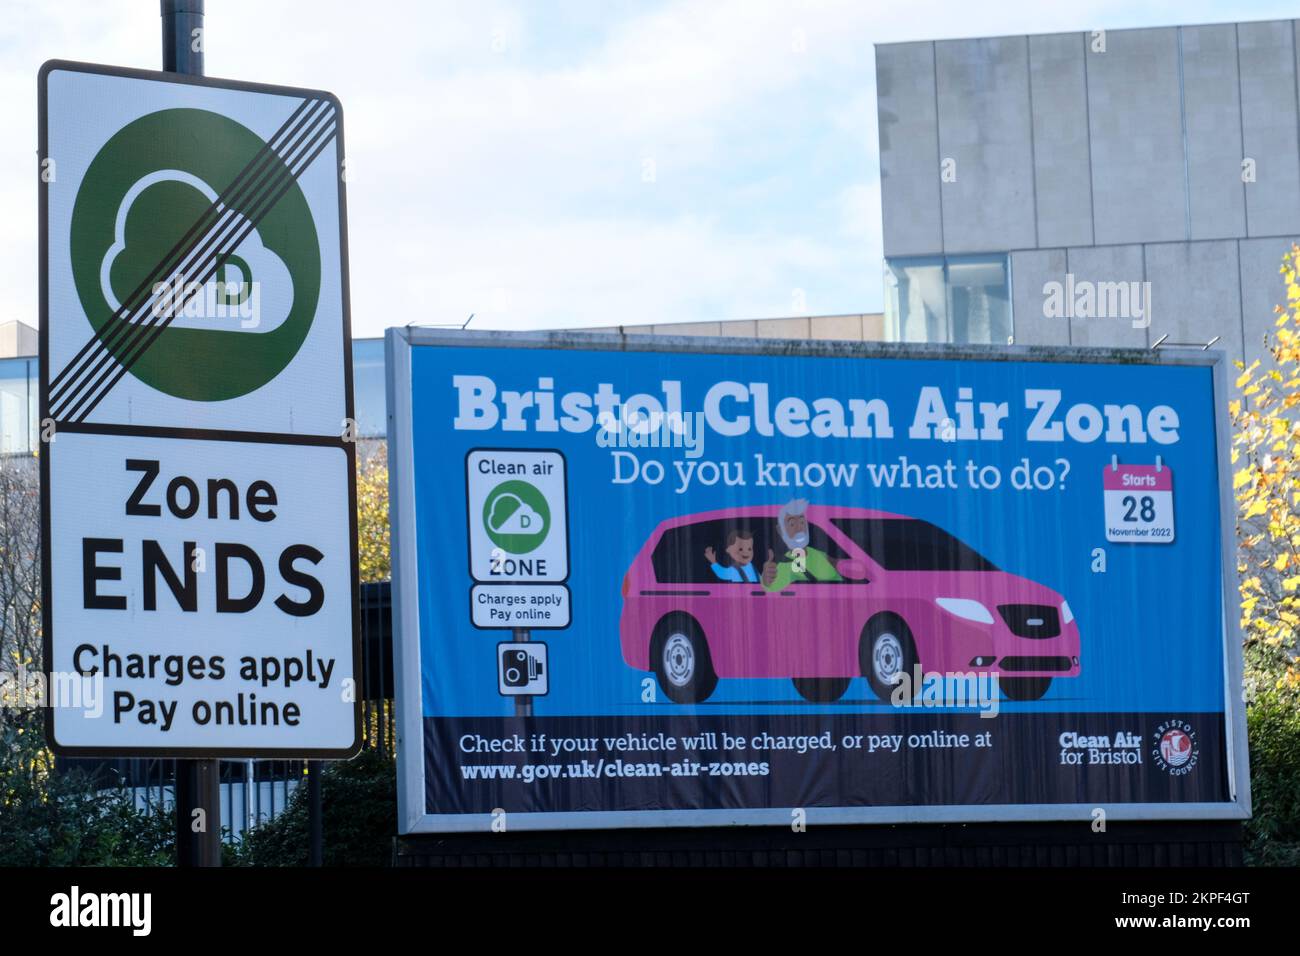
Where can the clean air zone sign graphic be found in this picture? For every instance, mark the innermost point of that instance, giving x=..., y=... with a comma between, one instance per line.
x=518, y=526
x=517, y=515
x=198, y=466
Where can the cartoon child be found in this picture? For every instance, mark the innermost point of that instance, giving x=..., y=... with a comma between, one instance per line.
x=801, y=562
x=740, y=548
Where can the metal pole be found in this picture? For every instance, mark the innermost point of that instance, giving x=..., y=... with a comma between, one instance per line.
x=198, y=835
x=182, y=36
x=315, y=821
x=250, y=814
x=198, y=782
x=524, y=702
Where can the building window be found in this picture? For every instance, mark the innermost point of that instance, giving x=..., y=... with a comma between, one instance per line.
x=958, y=299
x=368, y=390
x=18, y=402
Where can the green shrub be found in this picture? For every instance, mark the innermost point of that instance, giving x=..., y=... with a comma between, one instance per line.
x=1273, y=832
x=67, y=819
x=359, y=799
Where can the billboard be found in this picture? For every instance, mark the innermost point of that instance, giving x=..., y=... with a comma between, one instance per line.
x=689, y=582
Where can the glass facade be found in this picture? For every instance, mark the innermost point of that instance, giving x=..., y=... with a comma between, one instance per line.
x=958, y=299
x=19, y=401
x=20, y=397
x=369, y=393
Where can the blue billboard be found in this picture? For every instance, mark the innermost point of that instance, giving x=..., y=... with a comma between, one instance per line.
x=648, y=582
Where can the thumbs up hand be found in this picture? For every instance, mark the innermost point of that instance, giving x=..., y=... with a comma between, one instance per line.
x=769, y=568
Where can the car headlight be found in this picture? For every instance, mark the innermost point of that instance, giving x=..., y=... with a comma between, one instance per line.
x=1066, y=614
x=965, y=607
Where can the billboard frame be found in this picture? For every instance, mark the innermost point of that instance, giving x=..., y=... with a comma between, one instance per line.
x=412, y=816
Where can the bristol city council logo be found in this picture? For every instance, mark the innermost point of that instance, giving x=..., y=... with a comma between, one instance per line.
x=1174, y=747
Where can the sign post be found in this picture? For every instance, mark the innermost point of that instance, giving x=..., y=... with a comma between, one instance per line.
x=198, y=469
x=198, y=782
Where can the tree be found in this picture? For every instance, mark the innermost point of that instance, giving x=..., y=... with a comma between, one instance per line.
x=1266, y=456
x=372, y=511
x=20, y=566
x=51, y=818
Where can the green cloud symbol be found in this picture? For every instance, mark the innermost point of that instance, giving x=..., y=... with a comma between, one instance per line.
x=505, y=506
x=510, y=514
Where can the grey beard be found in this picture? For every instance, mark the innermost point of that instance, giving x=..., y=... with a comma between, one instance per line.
x=797, y=541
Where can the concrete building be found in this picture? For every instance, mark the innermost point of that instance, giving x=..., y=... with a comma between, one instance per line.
x=19, y=387
x=18, y=338
x=1165, y=156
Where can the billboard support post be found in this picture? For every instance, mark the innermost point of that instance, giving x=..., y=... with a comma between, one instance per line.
x=198, y=782
x=315, y=827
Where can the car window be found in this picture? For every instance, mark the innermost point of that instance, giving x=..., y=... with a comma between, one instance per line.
x=819, y=540
x=910, y=544
x=679, y=557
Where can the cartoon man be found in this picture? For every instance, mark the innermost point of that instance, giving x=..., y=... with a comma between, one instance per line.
x=800, y=562
x=740, y=548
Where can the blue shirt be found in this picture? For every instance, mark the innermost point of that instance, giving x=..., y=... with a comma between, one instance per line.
x=734, y=574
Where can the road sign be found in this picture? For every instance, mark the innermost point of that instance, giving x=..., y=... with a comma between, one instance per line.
x=198, y=519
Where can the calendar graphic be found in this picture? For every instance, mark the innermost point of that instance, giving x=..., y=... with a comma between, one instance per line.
x=1139, y=503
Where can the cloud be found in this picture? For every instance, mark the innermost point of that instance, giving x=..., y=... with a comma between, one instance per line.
x=497, y=151
x=512, y=515
x=262, y=305
x=571, y=273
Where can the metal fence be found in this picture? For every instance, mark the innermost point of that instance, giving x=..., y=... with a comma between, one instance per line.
x=254, y=791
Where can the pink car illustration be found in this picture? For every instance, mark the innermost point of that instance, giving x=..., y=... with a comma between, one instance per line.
x=871, y=594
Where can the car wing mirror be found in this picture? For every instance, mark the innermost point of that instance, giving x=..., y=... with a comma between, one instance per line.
x=851, y=570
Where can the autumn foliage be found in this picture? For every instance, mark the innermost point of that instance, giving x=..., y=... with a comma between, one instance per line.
x=372, y=513
x=1266, y=483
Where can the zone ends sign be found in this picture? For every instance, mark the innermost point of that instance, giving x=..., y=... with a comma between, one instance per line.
x=198, y=471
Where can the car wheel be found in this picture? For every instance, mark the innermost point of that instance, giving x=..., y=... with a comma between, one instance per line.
x=887, y=655
x=1024, y=688
x=821, y=690
x=680, y=656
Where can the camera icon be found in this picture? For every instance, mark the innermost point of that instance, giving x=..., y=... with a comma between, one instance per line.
x=522, y=669
x=519, y=668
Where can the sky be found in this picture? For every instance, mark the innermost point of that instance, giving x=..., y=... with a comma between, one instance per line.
x=566, y=163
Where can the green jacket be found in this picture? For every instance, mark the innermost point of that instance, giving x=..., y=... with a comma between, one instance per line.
x=817, y=567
